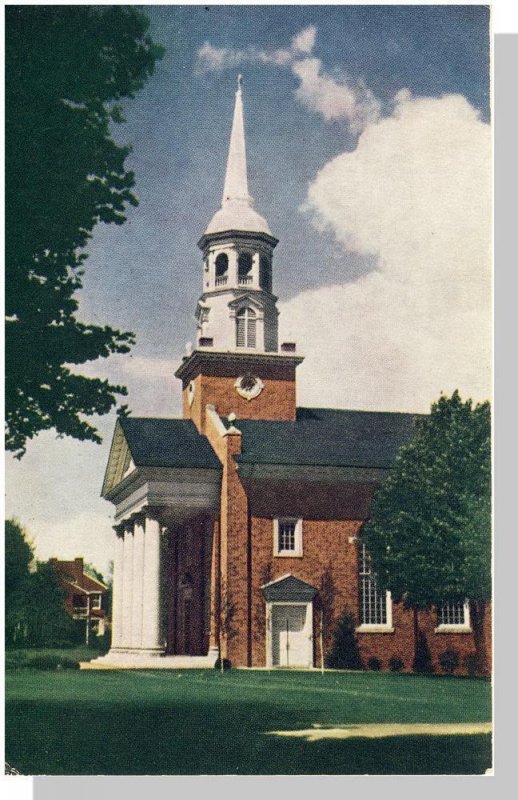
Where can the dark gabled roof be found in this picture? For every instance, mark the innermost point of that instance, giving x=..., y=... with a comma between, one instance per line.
x=167, y=443
x=288, y=589
x=326, y=437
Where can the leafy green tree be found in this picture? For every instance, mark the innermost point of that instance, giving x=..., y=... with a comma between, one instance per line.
x=34, y=600
x=67, y=69
x=48, y=624
x=19, y=555
x=429, y=534
x=345, y=653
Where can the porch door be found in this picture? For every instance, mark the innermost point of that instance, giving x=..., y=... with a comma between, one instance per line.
x=292, y=644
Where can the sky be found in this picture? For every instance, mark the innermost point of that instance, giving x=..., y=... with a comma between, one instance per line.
x=369, y=153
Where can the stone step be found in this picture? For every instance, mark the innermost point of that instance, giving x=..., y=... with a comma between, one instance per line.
x=136, y=661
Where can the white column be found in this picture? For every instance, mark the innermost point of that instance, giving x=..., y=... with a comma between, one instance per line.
x=255, y=269
x=117, y=589
x=232, y=267
x=151, y=634
x=127, y=585
x=137, y=583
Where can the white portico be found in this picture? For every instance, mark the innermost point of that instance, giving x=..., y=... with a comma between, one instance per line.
x=138, y=578
x=164, y=480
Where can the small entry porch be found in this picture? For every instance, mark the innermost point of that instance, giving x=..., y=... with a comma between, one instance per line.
x=289, y=623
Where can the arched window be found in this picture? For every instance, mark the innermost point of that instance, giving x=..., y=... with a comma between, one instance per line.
x=244, y=265
x=245, y=327
x=221, y=265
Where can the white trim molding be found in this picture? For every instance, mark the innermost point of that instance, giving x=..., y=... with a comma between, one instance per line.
x=252, y=390
x=386, y=627
x=307, y=632
x=293, y=531
x=454, y=627
x=374, y=603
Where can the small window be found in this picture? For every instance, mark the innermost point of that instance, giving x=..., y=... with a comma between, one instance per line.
x=375, y=604
x=96, y=601
x=287, y=534
x=246, y=328
x=453, y=614
x=79, y=601
x=244, y=265
x=221, y=265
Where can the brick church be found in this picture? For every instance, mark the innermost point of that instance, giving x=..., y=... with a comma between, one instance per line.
x=238, y=526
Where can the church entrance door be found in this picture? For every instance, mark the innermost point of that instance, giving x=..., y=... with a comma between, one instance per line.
x=291, y=635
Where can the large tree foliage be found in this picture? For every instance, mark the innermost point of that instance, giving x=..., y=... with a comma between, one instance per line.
x=19, y=556
x=429, y=534
x=34, y=601
x=67, y=68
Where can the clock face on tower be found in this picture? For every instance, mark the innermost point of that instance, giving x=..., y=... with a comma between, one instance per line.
x=249, y=386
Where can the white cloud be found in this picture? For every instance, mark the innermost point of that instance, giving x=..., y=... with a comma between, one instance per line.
x=416, y=193
x=215, y=59
x=152, y=387
x=304, y=41
x=333, y=97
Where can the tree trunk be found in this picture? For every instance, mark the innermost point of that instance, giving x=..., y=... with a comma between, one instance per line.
x=422, y=656
x=416, y=634
x=478, y=615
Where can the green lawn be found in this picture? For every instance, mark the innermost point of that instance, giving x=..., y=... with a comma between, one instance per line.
x=15, y=657
x=203, y=722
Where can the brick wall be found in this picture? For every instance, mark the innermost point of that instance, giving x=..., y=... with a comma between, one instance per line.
x=243, y=561
x=328, y=563
x=400, y=644
x=276, y=401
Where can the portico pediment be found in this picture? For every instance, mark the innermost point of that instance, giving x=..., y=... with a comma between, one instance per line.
x=246, y=299
x=120, y=462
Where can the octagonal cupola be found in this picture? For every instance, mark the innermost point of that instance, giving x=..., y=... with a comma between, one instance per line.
x=237, y=309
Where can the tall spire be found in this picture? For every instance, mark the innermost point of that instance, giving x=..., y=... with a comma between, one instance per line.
x=236, y=181
x=237, y=212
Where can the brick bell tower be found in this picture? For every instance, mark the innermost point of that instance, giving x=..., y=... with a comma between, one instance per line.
x=237, y=365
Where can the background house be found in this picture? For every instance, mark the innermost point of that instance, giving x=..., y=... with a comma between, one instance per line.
x=85, y=596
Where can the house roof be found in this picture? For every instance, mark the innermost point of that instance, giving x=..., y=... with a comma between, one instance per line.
x=327, y=437
x=73, y=574
x=85, y=585
x=156, y=442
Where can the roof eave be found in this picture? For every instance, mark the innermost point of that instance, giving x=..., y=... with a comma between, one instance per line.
x=233, y=233
x=191, y=362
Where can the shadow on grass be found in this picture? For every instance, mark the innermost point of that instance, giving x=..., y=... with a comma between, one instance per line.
x=192, y=723
x=72, y=739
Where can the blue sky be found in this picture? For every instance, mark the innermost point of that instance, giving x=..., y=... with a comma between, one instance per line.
x=367, y=136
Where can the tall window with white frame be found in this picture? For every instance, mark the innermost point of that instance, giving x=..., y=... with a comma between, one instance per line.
x=246, y=328
x=374, y=603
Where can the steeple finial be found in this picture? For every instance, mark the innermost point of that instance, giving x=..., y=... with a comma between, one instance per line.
x=236, y=180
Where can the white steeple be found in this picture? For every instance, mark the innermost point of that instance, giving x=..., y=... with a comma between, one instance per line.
x=237, y=211
x=236, y=180
x=237, y=310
